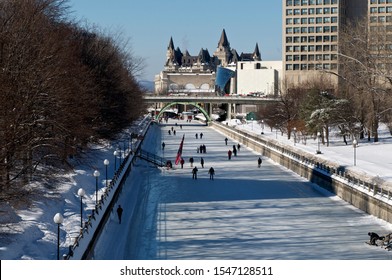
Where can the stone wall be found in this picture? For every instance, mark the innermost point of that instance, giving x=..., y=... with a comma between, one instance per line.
x=364, y=194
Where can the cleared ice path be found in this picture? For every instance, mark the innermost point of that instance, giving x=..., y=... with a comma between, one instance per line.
x=245, y=213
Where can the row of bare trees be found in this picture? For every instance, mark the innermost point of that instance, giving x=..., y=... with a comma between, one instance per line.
x=62, y=87
x=362, y=99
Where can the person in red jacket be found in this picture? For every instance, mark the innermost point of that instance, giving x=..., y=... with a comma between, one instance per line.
x=229, y=154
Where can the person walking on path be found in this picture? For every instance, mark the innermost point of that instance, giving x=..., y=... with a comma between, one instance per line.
x=201, y=135
x=194, y=173
x=163, y=145
x=196, y=135
x=191, y=161
x=119, y=213
x=234, y=150
x=259, y=161
x=238, y=147
x=211, y=172
x=229, y=154
x=182, y=163
x=226, y=141
x=202, y=162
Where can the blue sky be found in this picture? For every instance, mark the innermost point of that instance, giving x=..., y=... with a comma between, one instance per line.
x=149, y=24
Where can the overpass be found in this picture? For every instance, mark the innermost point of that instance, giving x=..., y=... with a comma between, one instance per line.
x=197, y=99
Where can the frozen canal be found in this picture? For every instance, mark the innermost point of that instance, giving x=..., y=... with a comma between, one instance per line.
x=245, y=213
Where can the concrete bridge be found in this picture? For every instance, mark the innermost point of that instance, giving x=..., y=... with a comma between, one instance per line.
x=195, y=100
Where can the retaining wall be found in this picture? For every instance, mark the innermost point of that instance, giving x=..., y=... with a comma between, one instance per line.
x=366, y=195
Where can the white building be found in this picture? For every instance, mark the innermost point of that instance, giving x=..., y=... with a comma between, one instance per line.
x=258, y=76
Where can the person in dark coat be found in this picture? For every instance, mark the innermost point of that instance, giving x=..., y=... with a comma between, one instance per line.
x=182, y=161
x=202, y=162
x=238, y=146
x=374, y=237
x=229, y=154
x=259, y=161
x=196, y=135
x=226, y=141
x=119, y=213
x=234, y=150
x=211, y=172
x=201, y=135
x=194, y=173
x=191, y=160
x=163, y=145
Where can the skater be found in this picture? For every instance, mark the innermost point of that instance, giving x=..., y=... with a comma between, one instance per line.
x=196, y=135
x=201, y=135
x=234, y=150
x=226, y=141
x=204, y=149
x=229, y=154
x=119, y=213
x=238, y=147
x=174, y=132
x=169, y=132
x=182, y=161
x=191, y=161
x=259, y=161
x=163, y=145
x=374, y=237
x=202, y=162
x=194, y=173
x=211, y=172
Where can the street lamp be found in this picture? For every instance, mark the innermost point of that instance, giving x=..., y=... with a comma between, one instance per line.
x=295, y=135
x=276, y=127
x=262, y=126
x=96, y=175
x=355, y=143
x=252, y=122
x=58, y=219
x=81, y=193
x=318, y=142
x=106, y=163
x=115, y=153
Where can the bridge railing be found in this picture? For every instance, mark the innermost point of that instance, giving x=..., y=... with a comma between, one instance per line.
x=152, y=157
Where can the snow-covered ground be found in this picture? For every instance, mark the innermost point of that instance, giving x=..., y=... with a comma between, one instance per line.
x=245, y=213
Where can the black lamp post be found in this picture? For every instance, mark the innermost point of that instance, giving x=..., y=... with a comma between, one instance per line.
x=58, y=219
x=96, y=175
x=318, y=142
x=106, y=163
x=262, y=126
x=81, y=193
x=115, y=153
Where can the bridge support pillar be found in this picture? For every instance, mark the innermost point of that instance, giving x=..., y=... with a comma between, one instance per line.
x=228, y=113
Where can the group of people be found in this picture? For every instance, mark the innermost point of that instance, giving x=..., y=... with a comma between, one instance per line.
x=385, y=240
x=201, y=149
x=211, y=171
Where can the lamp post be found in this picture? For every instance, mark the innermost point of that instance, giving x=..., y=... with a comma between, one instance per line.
x=115, y=153
x=58, y=219
x=276, y=127
x=252, y=122
x=96, y=175
x=106, y=163
x=295, y=135
x=355, y=143
x=81, y=193
x=318, y=142
x=262, y=126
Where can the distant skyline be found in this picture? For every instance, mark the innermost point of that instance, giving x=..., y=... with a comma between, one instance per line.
x=193, y=25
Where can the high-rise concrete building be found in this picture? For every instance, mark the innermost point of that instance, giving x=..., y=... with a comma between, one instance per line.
x=311, y=36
